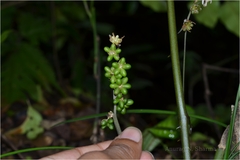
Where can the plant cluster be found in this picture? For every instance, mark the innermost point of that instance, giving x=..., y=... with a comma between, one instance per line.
x=194, y=9
x=117, y=75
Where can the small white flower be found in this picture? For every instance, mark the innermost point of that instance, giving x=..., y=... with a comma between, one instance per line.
x=115, y=39
x=204, y=2
x=110, y=114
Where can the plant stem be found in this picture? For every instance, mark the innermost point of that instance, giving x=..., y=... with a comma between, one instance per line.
x=177, y=81
x=115, y=119
x=231, y=126
x=96, y=66
x=184, y=60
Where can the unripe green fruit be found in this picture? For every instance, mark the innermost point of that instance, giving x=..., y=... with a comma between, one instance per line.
x=119, y=108
x=116, y=100
x=119, y=95
x=107, y=74
x=124, y=80
x=110, y=120
x=106, y=49
x=104, y=122
x=113, y=79
x=122, y=60
x=118, y=81
x=127, y=66
x=110, y=126
x=123, y=111
x=118, y=76
x=116, y=91
x=115, y=65
x=129, y=102
x=109, y=58
x=107, y=69
x=113, y=86
x=123, y=72
x=121, y=104
x=128, y=86
x=124, y=91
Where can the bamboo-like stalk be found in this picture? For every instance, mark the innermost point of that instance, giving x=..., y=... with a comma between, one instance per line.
x=177, y=81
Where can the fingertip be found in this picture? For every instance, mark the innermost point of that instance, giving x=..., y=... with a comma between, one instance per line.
x=146, y=155
x=131, y=133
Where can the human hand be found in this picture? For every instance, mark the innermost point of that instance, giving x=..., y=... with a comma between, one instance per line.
x=128, y=145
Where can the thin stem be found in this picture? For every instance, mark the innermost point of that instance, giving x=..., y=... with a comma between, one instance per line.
x=96, y=66
x=115, y=119
x=87, y=8
x=184, y=54
x=12, y=146
x=177, y=81
x=207, y=95
x=184, y=59
x=189, y=14
x=231, y=126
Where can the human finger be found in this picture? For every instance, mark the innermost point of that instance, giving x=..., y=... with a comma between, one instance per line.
x=146, y=156
x=78, y=152
x=128, y=145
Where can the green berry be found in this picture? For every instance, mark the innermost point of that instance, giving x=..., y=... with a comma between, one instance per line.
x=127, y=66
x=119, y=108
x=119, y=95
x=119, y=81
x=118, y=76
x=113, y=86
x=129, y=102
x=121, y=104
x=115, y=101
x=123, y=111
x=110, y=120
x=124, y=91
x=115, y=65
x=116, y=91
x=107, y=69
x=123, y=72
x=124, y=80
x=106, y=49
x=113, y=79
x=128, y=86
x=108, y=75
x=110, y=126
x=104, y=122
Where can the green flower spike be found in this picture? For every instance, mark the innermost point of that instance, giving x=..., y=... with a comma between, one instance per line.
x=112, y=52
x=110, y=74
x=121, y=67
x=120, y=86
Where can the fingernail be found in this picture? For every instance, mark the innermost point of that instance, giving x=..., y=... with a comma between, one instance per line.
x=151, y=155
x=131, y=133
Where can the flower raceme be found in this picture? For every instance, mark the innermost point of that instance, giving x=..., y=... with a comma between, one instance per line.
x=117, y=75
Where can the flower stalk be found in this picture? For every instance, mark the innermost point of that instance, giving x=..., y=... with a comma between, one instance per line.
x=117, y=75
x=184, y=119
